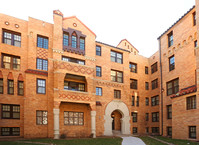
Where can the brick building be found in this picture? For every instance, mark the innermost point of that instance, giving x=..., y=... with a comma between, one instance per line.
x=57, y=79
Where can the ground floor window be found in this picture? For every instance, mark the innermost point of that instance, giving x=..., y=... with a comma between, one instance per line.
x=42, y=117
x=192, y=132
x=169, y=131
x=10, y=131
x=155, y=129
x=73, y=118
x=147, y=129
x=135, y=130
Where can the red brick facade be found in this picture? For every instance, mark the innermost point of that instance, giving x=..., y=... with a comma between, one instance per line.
x=87, y=82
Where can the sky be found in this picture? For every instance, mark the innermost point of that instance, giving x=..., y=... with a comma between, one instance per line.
x=141, y=22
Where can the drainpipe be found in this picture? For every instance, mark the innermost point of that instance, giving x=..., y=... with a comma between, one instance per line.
x=161, y=87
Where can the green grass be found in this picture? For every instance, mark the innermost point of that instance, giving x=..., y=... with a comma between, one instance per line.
x=177, y=141
x=90, y=141
x=149, y=141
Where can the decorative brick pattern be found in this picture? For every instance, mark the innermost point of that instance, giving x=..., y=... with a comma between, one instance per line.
x=74, y=97
x=42, y=53
x=109, y=84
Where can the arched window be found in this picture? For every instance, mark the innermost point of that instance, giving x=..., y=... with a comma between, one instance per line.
x=82, y=43
x=65, y=39
x=74, y=40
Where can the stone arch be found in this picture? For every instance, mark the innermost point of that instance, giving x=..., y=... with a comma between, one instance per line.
x=125, y=120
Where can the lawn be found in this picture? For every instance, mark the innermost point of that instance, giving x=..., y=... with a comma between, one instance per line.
x=177, y=141
x=149, y=141
x=97, y=141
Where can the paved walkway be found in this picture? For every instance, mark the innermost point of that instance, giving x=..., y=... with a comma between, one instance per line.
x=132, y=141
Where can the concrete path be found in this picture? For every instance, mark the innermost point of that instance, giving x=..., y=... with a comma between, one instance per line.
x=132, y=141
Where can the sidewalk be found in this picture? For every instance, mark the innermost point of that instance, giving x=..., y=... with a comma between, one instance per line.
x=132, y=141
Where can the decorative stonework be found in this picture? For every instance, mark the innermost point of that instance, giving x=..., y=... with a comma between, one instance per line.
x=58, y=51
x=74, y=97
x=73, y=67
x=42, y=53
x=109, y=84
x=90, y=58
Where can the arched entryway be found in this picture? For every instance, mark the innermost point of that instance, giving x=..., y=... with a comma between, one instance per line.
x=116, y=107
x=116, y=123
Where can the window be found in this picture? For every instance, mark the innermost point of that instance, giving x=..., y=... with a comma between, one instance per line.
x=74, y=60
x=98, y=71
x=20, y=88
x=74, y=40
x=42, y=42
x=11, y=62
x=191, y=102
x=10, y=111
x=155, y=117
x=41, y=86
x=74, y=86
x=98, y=91
x=147, y=101
x=169, y=131
x=98, y=50
x=169, y=112
x=172, y=87
x=42, y=117
x=195, y=43
x=11, y=87
x=146, y=70
x=133, y=84
x=11, y=38
x=147, y=129
x=117, y=94
x=82, y=43
x=194, y=18
x=135, y=130
x=154, y=68
x=147, y=117
x=133, y=100
x=73, y=118
x=155, y=100
x=192, y=132
x=42, y=64
x=155, y=129
x=154, y=84
x=65, y=39
x=133, y=67
x=146, y=86
x=134, y=116
x=1, y=86
x=116, y=76
x=10, y=131
x=137, y=102
x=170, y=39
x=171, y=63
x=116, y=57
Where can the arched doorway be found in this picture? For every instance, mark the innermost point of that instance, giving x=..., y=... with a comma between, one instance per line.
x=116, y=123
x=120, y=107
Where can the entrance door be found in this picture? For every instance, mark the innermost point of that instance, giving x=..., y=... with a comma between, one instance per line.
x=116, y=123
x=113, y=123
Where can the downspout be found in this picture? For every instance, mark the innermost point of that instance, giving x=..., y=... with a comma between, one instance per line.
x=161, y=87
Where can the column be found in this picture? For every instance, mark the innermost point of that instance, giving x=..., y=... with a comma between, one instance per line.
x=93, y=123
x=56, y=123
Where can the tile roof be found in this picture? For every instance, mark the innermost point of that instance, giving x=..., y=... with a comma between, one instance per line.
x=185, y=91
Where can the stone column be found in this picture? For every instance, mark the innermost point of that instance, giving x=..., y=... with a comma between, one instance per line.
x=108, y=125
x=56, y=123
x=93, y=123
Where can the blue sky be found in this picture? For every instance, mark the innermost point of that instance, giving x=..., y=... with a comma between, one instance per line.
x=138, y=21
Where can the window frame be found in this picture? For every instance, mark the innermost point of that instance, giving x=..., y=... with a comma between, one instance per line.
x=82, y=45
x=73, y=60
x=73, y=118
x=154, y=67
x=133, y=67
x=169, y=112
x=1, y=85
x=154, y=84
x=191, y=102
x=146, y=70
x=116, y=58
x=146, y=85
x=138, y=101
x=18, y=88
x=170, y=39
x=11, y=111
x=133, y=84
x=134, y=118
x=98, y=53
x=155, y=116
x=42, y=41
x=169, y=132
x=173, y=87
x=42, y=117
x=147, y=101
x=133, y=101
x=171, y=65
x=155, y=129
x=65, y=40
x=9, y=88
x=98, y=93
x=155, y=100
x=41, y=86
x=135, y=130
x=195, y=43
x=11, y=132
x=98, y=71
x=194, y=18
x=77, y=84
x=43, y=61
x=12, y=39
x=147, y=117
x=116, y=76
x=190, y=132
x=117, y=94
x=12, y=57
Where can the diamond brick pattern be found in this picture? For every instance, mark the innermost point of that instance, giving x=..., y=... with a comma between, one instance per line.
x=42, y=53
x=74, y=97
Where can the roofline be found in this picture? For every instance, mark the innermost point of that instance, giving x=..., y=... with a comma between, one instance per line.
x=81, y=23
x=112, y=46
x=176, y=22
x=129, y=43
